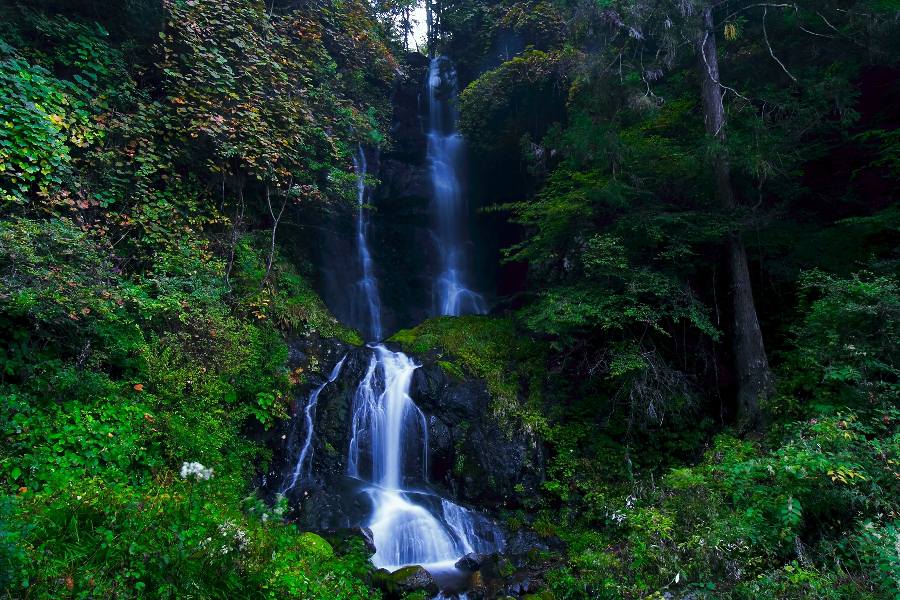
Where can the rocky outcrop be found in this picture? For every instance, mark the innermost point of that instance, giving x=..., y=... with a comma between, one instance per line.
x=477, y=457
x=407, y=128
x=401, y=222
x=472, y=458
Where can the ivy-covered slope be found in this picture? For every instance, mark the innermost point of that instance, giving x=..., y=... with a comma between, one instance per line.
x=156, y=159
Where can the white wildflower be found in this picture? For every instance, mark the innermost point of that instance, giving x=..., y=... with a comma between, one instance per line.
x=195, y=469
x=239, y=536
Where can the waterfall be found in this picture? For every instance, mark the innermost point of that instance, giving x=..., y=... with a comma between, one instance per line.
x=388, y=448
x=303, y=467
x=475, y=532
x=388, y=436
x=365, y=304
x=452, y=296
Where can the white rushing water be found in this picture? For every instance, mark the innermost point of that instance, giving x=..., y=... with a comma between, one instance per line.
x=388, y=439
x=452, y=295
x=366, y=303
x=303, y=468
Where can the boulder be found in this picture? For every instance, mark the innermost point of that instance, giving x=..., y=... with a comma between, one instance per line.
x=404, y=581
x=470, y=562
x=525, y=541
x=368, y=539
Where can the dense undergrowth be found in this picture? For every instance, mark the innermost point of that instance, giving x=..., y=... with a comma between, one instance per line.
x=809, y=510
x=145, y=296
x=144, y=375
x=590, y=130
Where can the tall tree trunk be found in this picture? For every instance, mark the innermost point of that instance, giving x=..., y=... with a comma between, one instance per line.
x=430, y=25
x=407, y=28
x=754, y=377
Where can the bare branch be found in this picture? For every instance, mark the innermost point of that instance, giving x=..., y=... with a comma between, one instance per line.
x=769, y=46
x=757, y=5
x=827, y=22
x=275, y=221
x=714, y=79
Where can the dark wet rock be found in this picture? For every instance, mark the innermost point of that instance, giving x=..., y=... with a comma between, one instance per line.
x=342, y=504
x=368, y=539
x=400, y=224
x=402, y=184
x=347, y=541
x=470, y=562
x=404, y=581
x=496, y=567
x=525, y=541
x=502, y=576
x=483, y=461
x=407, y=128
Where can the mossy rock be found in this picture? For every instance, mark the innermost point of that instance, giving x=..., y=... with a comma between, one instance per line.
x=452, y=369
x=316, y=545
x=490, y=348
x=406, y=580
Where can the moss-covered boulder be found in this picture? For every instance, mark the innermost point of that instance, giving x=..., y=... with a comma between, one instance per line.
x=405, y=581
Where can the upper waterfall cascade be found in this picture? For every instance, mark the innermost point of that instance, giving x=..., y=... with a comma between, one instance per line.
x=452, y=294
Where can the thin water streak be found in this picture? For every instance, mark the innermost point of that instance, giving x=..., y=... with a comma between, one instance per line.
x=305, y=457
x=366, y=299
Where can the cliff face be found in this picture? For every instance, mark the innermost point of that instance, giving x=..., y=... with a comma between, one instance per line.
x=398, y=218
x=401, y=222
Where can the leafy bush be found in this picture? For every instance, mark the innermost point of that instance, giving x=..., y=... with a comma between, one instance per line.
x=845, y=350
x=111, y=384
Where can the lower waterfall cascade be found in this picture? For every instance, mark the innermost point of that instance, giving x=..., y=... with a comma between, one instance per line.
x=386, y=426
x=387, y=455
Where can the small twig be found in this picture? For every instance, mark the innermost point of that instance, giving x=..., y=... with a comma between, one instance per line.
x=804, y=29
x=757, y=5
x=827, y=22
x=769, y=46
